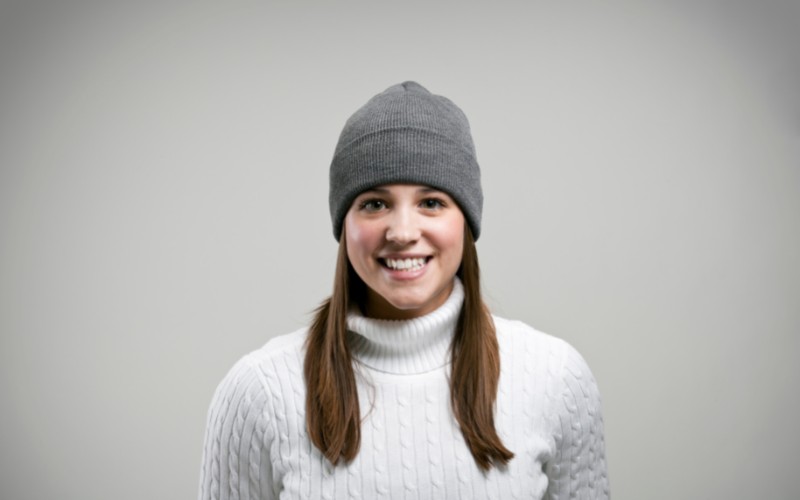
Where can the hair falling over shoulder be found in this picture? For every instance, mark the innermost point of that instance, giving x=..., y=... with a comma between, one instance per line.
x=333, y=416
x=475, y=368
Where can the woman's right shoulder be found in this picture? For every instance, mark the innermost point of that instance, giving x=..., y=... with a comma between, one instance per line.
x=263, y=368
x=246, y=411
x=287, y=344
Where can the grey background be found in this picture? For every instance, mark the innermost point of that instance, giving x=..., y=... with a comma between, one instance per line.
x=163, y=210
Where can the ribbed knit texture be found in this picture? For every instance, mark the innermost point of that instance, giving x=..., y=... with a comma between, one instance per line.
x=406, y=135
x=548, y=414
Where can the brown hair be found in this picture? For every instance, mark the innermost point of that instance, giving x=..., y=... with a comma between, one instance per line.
x=333, y=416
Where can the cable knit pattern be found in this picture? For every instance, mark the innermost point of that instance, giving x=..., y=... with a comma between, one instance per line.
x=548, y=414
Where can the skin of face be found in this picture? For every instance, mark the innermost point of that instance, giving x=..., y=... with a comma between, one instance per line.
x=400, y=221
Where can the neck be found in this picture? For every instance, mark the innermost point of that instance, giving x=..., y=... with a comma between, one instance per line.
x=410, y=346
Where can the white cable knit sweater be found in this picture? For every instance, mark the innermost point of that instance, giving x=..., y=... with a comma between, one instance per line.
x=547, y=414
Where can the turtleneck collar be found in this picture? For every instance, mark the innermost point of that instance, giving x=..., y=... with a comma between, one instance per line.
x=410, y=346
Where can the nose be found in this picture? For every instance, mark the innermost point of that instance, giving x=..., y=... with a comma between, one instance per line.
x=403, y=227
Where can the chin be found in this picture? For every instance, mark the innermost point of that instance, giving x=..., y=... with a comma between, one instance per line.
x=393, y=305
x=407, y=304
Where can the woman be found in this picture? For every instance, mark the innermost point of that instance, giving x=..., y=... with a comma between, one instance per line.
x=404, y=385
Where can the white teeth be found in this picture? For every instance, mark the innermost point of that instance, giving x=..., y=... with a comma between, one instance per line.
x=405, y=264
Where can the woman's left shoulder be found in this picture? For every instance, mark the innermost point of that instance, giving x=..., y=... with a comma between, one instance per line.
x=549, y=367
x=518, y=338
x=516, y=334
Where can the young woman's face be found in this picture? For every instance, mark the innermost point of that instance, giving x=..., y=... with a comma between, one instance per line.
x=405, y=241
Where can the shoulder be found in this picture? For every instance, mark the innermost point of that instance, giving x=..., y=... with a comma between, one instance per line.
x=290, y=345
x=258, y=372
x=516, y=336
x=563, y=363
x=248, y=416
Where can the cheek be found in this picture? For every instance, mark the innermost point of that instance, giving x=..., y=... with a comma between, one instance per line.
x=451, y=241
x=360, y=240
x=457, y=242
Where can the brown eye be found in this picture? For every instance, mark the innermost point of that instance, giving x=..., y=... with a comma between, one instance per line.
x=432, y=203
x=372, y=205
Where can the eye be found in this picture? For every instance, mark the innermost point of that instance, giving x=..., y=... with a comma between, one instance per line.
x=372, y=205
x=433, y=203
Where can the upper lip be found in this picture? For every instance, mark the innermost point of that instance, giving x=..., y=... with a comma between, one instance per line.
x=402, y=256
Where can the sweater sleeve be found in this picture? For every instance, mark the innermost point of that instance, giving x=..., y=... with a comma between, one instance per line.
x=236, y=457
x=578, y=468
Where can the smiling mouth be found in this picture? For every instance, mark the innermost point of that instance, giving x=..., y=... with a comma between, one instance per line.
x=405, y=264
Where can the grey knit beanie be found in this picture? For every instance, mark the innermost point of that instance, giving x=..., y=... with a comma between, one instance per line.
x=406, y=135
